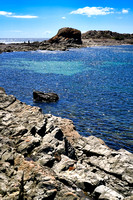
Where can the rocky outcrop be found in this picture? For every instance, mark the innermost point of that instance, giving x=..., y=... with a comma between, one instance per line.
x=44, y=157
x=45, y=97
x=106, y=35
x=106, y=38
x=67, y=35
x=67, y=38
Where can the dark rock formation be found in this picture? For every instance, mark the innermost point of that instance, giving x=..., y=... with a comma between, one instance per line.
x=45, y=97
x=106, y=38
x=68, y=35
x=106, y=35
x=43, y=157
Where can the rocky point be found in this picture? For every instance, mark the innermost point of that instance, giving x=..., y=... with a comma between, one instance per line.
x=43, y=157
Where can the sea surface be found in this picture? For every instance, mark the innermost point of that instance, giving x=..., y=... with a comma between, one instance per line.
x=95, y=86
x=20, y=40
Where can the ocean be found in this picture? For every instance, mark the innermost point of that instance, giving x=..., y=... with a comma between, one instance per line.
x=20, y=40
x=95, y=86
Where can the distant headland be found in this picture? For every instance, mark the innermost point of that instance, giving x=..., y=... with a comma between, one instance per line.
x=67, y=38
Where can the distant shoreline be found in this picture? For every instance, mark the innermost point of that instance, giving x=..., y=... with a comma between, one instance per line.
x=45, y=45
x=67, y=38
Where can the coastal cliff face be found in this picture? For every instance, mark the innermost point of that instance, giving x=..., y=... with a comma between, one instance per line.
x=44, y=157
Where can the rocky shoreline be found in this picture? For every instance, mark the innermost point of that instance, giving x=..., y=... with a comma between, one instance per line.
x=67, y=38
x=44, y=157
x=45, y=45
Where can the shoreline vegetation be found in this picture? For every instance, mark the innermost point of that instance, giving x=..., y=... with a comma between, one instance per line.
x=44, y=157
x=67, y=38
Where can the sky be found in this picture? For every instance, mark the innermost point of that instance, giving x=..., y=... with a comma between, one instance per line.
x=43, y=18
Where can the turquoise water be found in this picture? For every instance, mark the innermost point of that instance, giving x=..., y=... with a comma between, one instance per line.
x=95, y=86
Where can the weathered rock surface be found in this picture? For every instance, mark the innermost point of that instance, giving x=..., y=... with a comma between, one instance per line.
x=45, y=97
x=105, y=38
x=68, y=35
x=43, y=157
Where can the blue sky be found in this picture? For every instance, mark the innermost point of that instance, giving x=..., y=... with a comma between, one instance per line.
x=42, y=19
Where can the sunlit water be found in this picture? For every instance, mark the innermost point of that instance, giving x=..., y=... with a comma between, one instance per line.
x=95, y=86
x=20, y=40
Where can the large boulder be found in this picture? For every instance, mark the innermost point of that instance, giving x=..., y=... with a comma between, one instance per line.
x=67, y=34
x=45, y=97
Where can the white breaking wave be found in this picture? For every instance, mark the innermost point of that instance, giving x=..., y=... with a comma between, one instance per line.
x=20, y=40
x=49, y=52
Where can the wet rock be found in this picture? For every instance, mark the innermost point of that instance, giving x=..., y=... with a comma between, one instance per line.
x=45, y=97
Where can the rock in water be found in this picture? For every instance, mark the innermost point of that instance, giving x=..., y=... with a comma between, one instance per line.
x=45, y=97
x=69, y=35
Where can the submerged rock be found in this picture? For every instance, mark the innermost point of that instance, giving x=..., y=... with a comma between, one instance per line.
x=44, y=157
x=45, y=97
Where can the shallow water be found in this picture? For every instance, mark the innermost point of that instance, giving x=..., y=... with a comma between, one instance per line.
x=95, y=86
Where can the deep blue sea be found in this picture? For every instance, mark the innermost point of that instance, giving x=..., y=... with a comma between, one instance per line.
x=95, y=86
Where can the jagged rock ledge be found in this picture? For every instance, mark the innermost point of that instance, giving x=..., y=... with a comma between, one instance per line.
x=44, y=157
